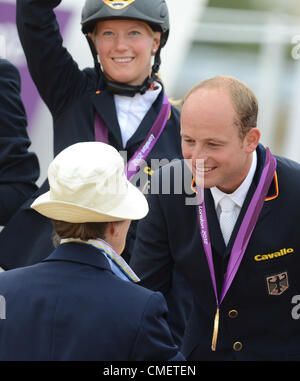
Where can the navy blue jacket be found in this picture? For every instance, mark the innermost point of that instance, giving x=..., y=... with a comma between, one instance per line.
x=19, y=169
x=256, y=320
x=71, y=307
x=72, y=96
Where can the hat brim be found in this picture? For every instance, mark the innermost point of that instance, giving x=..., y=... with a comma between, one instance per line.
x=134, y=206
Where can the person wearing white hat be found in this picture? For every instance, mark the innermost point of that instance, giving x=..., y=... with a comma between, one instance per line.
x=81, y=303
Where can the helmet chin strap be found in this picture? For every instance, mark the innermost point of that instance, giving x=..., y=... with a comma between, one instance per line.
x=122, y=88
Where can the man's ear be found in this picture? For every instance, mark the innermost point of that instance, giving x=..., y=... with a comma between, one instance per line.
x=252, y=139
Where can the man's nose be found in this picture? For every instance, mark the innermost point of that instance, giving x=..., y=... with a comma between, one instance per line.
x=199, y=154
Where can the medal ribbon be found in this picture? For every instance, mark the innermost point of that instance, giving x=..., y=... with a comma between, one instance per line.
x=133, y=165
x=242, y=238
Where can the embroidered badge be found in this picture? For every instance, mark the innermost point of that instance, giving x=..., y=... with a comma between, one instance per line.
x=278, y=283
x=118, y=4
x=276, y=254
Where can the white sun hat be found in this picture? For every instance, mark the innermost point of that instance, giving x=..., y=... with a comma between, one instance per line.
x=88, y=184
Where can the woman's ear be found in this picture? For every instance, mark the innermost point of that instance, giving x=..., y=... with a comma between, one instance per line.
x=92, y=37
x=156, y=42
x=113, y=229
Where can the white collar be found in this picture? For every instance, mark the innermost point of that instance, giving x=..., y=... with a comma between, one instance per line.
x=239, y=195
x=132, y=110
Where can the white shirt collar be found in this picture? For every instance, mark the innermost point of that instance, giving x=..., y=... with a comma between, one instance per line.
x=239, y=195
x=132, y=110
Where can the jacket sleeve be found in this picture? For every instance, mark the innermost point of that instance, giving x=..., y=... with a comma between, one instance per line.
x=19, y=169
x=151, y=258
x=53, y=70
x=153, y=262
x=154, y=341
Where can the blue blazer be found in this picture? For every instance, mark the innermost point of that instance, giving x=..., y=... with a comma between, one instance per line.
x=19, y=169
x=256, y=321
x=72, y=307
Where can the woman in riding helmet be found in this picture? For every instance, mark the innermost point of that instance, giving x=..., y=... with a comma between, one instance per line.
x=119, y=101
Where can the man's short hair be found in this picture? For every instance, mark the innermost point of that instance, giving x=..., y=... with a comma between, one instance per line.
x=243, y=100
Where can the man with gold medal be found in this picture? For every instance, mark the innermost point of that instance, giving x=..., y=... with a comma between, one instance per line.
x=242, y=205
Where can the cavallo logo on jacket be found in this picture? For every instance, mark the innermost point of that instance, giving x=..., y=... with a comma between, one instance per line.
x=118, y=4
x=276, y=254
x=278, y=283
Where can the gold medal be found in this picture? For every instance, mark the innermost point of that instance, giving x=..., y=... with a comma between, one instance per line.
x=216, y=330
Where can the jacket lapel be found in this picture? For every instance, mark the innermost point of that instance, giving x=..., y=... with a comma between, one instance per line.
x=261, y=154
x=105, y=106
x=216, y=237
x=273, y=189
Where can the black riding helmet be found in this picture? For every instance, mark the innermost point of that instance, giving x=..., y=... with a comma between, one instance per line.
x=153, y=12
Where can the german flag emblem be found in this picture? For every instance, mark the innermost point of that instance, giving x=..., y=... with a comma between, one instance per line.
x=114, y=4
x=278, y=283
